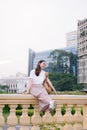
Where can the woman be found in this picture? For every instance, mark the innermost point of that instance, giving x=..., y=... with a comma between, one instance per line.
x=36, y=88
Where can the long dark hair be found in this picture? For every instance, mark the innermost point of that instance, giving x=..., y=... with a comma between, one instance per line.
x=38, y=68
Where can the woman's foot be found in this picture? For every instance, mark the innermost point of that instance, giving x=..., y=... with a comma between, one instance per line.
x=52, y=106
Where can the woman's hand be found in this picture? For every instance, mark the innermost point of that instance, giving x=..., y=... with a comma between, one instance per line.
x=55, y=91
x=29, y=86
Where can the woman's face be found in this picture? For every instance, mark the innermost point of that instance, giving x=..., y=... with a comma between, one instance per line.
x=43, y=65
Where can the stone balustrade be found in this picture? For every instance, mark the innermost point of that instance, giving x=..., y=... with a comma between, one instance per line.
x=58, y=121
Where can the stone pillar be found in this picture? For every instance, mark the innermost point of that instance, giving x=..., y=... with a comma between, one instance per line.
x=36, y=118
x=78, y=118
x=47, y=120
x=68, y=118
x=24, y=119
x=12, y=119
x=85, y=117
x=58, y=118
x=1, y=117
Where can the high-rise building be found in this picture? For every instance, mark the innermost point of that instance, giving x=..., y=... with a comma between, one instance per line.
x=43, y=55
x=30, y=60
x=71, y=46
x=34, y=57
x=82, y=51
x=71, y=39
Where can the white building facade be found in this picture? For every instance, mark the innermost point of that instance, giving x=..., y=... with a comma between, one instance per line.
x=16, y=84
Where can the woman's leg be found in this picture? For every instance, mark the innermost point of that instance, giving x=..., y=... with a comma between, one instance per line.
x=45, y=101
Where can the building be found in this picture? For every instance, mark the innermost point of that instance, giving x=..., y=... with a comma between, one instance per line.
x=31, y=57
x=43, y=55
x=71, y=39
x=71, y=42
x=70, y=49
x=82, y=51
x=16, y=84
x=34, y=57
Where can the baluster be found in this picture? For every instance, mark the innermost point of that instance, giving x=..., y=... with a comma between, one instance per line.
x=85, y=117
x=47, y=119
x=58, y=118
x=78, y=118
x=12, y=119
x=68, y=118
x=24, y=119
x=1, y=117
x=36, y=118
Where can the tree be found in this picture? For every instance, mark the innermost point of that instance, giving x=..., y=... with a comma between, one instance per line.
x=63, y=62
x=63, y=82
x=4, y=87
x=73, y=63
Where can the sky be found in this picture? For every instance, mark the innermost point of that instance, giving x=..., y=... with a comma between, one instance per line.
x=37, y=24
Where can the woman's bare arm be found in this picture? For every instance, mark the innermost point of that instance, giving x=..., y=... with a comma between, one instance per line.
x=50, y=83
x=29, y=85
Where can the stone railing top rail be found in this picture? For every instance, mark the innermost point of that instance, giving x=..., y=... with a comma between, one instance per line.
x=29, y=99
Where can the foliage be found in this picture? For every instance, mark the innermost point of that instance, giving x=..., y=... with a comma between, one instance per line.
x=63, y=62
x=19, y=107
x=1, y=92
x=73, y=110
x=19, y=112
x=63, y=110
x=63, y=82
x=73, y=63
x=78, y=86
x=6, y=109
x=4, y=88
